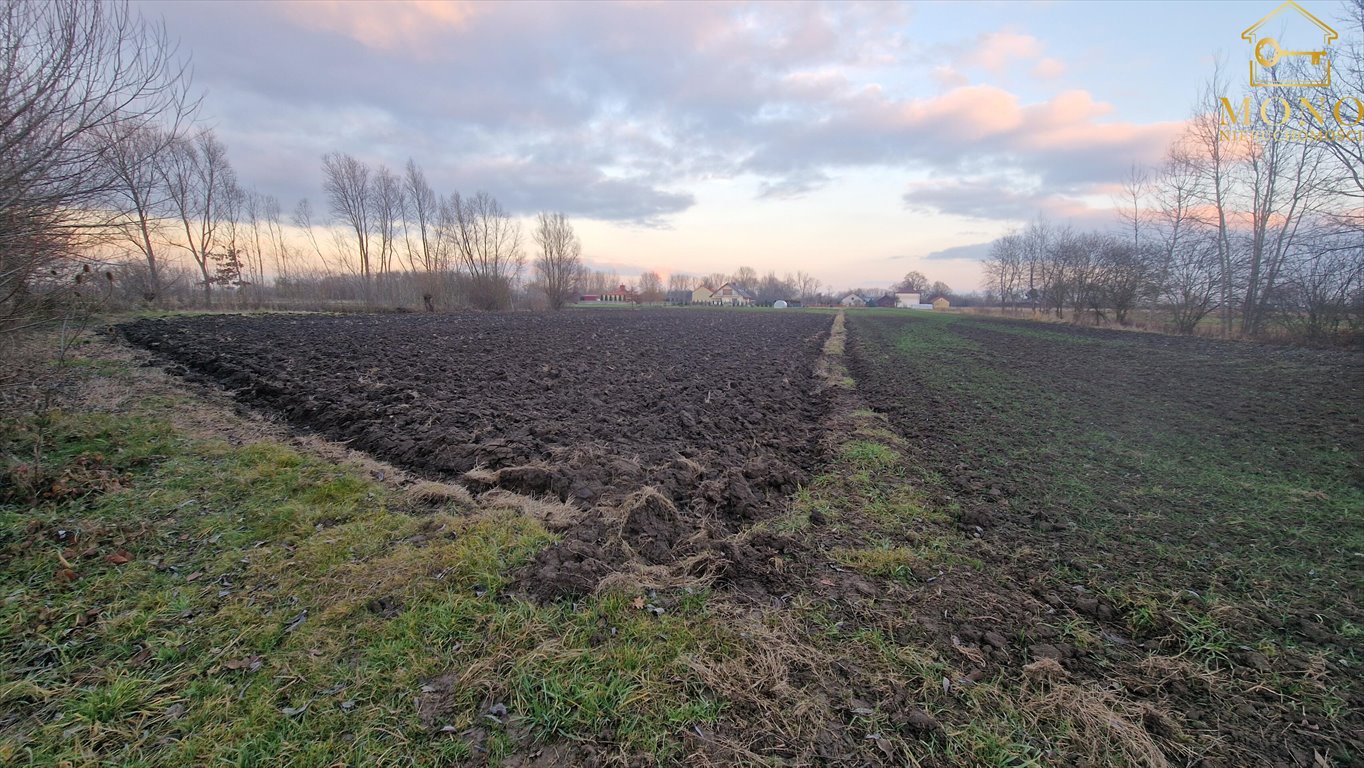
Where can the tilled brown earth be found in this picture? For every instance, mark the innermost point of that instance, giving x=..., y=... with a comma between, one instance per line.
x=665, y=416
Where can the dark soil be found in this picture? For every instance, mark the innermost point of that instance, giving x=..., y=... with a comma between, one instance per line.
x=587, y=408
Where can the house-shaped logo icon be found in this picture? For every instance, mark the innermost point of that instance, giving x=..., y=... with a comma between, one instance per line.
x=1290, y=47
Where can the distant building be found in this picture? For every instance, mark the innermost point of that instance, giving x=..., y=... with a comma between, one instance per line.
x=888, y=300
x=941, y=304
x=853, y=300
x=621, y=295
x=701, y=295
x=589, y=297
x=733, y=295
x=906, y=300
x=678, y=298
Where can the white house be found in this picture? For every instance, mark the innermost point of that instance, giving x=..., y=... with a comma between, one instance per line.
x=852, y=300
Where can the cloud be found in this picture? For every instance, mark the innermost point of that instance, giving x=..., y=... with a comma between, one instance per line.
x=793, y=185
x=1049, y=68
x=1002, y=198
x=997, y=52
x=382, y=25
x=575, y=190
x=972, y=252
x=615, y=112
x=1062, y=141
x=948, y=76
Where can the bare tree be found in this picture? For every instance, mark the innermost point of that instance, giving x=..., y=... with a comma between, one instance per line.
x=650, y=286
x=1004, y=267
x=745, y=276
x=598, y=281
x=75, y=74
x=132, y=154
x=1125, y=276
x=559, y=265
x=349, y=198
x=1323, y=290
x=806, y=286
x=1188, y=272
x=274, y=234
x=678, y=282
x=203, y=194
x=1192, y=279
x=913, y=282
x=771, y=289
x=422, y=213
x=1209, y=150
x=487, y=242
x=1286, y=184
x=389, y=207
x=303, y=219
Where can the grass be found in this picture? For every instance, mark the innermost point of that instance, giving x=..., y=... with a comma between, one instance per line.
x=902, y=563
x=869, y=456
x=1277, y=504
x=278, y=609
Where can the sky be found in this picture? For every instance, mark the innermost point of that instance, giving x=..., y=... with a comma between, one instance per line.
x=853, y=142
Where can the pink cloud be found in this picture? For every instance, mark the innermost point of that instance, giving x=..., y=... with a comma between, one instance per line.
x=997, y=51
x=1070, y=121
x=969, y=112
x=382, y=25
x=1049, y=68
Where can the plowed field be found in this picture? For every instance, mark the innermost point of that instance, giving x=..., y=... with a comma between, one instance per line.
x=583, y=406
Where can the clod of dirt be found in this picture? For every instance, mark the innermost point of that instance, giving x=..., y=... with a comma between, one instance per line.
x=568, y=569
x=387, y=606
x=652, y=526
x=531, y=479
x=1045, y=651
x=435, y=702
x=973, y=518
x=922, y=723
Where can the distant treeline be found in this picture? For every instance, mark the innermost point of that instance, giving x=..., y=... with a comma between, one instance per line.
x=1254, y=234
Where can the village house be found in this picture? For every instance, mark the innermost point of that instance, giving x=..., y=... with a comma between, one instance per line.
x=701, y=295
x=910, y=301
x=887, y=300
x=853, y=300
x=732, y=295
x=941, y=304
